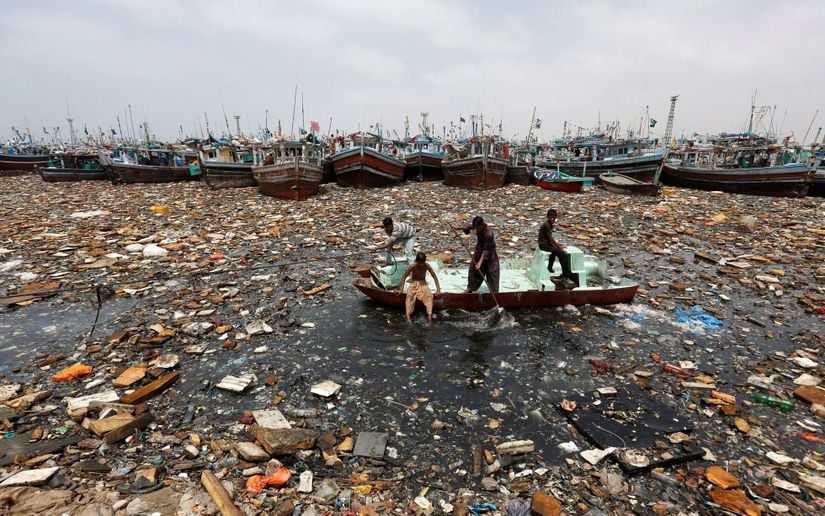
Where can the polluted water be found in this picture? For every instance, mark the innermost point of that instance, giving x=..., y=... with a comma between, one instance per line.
x=236, y=348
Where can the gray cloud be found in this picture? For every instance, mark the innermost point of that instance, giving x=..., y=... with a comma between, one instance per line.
x=362, y=62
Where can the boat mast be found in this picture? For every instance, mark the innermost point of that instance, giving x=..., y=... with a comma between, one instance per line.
x=226, y=121
x=667, y=136
x=809, y=128
x=132, y=117
x=532, y=121
x=294, y=102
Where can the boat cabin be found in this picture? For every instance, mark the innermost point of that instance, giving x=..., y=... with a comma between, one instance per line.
x=477, y=146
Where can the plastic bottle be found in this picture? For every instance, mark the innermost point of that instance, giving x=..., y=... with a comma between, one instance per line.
x=670, y=368
x=773, y=401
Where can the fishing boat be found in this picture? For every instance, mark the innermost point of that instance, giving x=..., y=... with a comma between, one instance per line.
x=12, y=162
x=73, y=167
x=598, y=154
x=423, y=154
x=423, y=158
x=479, y=163
x=818, y=185
x=622, y=184
x=517, y=174
x=792, y=180
x=524, y=283
x=639, y=167
x=327, y=171
x=559, y=181
x=367, y=163
x=295, y=172
x=226, y=165
x=152, y=165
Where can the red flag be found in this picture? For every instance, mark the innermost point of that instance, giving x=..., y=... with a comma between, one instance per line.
x=314, y=127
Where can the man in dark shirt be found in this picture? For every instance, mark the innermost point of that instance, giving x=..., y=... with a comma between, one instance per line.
x=485, y=259
x=548, y=244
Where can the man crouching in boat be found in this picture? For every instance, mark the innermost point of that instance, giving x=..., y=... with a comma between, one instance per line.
x=419, y=290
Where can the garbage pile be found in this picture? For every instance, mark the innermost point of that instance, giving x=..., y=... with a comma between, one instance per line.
x=175, y=350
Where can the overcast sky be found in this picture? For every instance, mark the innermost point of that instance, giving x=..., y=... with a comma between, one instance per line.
x=363, y=61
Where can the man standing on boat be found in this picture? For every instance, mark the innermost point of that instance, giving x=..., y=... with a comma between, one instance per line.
x=548, y=244
x=485, y=264
x=419, y=290
x=400, y=234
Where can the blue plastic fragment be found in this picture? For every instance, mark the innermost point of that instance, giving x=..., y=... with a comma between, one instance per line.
x=482, y=507
x=708, y=321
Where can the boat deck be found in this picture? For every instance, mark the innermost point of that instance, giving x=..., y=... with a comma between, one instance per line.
x=517, y=274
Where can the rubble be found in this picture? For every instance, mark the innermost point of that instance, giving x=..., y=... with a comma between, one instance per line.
x=230, y=346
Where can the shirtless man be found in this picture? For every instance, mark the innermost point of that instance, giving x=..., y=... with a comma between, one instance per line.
x=419, y=290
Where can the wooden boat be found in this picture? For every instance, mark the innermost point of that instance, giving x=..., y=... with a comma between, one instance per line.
x=524, y=283
x=792, y=180
x=73, y=167
x=642, y=168
x=518, y=175
x=559, y=181
x=228, y=174
x=295, y=173
x=478, y=164
x=818, y=184
x=156, y=166
x=13, y=164
x=363, y=165
x=327, y=171
x=423, y=160
x=226, y=165
x=622, y=184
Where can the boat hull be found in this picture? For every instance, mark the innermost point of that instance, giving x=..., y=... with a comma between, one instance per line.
x=125, y=173
x=783, y=181
x=423, y=166
x=367, y=168
x=561, y=185
x=526, y=299
x=621, y=184
x=13, y=164
x=327, y=171
x=218, y=174
x=289, y=180
x=518, y=175
x=642, y=168
x=475, y=173
x=61, y=175
x=818, y=185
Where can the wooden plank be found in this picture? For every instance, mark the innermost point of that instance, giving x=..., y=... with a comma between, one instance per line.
x=103, y=426
x=219, y=494
x=810, y=393
x=126, y=430
x=151, y=389
x=130, y=376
